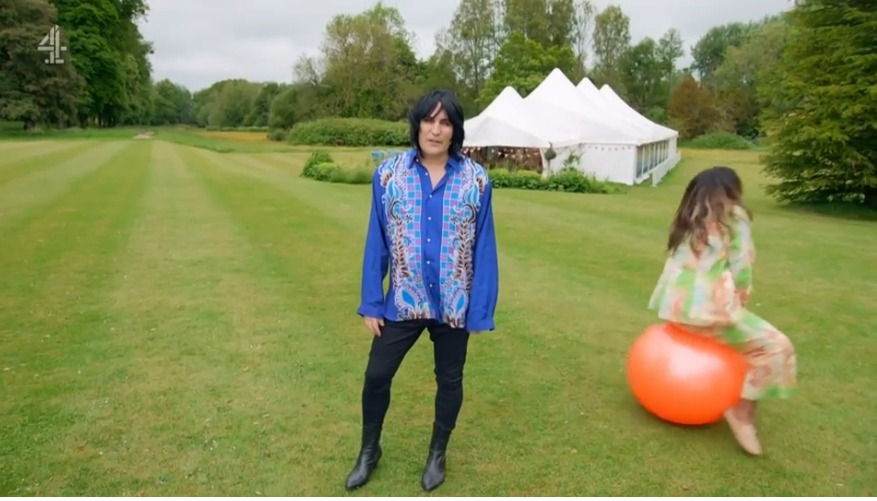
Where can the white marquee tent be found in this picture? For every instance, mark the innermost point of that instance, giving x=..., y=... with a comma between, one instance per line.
x=586, y=128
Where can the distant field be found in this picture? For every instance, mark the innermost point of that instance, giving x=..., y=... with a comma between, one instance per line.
x=239, y=136
x=180, y=322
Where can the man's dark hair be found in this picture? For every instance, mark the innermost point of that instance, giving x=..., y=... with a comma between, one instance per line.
x=423, y=109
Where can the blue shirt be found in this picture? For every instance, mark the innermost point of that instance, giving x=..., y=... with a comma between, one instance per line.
x=438, y=245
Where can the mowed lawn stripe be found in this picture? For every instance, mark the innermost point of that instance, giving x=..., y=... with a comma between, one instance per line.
x=56, y=350
x=320, y=359
x=40, y=160
x=195, y=334
x=346, y=205
x=8, y=146
x=48, y=225
x=27, y=197
x=16, y=155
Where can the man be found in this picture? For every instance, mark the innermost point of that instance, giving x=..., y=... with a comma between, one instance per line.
x=431, y=227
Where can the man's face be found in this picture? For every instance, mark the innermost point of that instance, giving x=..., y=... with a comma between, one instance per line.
x=436, y=132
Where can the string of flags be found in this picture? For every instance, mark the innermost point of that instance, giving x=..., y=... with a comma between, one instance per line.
x=533, y=152
x=517, y=153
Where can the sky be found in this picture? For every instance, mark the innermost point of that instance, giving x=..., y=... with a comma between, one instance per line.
x=199, y=42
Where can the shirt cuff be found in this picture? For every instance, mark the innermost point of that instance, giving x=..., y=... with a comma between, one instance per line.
x=368, y=310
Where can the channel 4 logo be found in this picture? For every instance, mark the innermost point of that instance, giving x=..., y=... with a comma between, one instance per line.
x=51, y=43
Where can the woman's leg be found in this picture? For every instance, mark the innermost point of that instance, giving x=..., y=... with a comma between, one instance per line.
x=771, y=356
x=772, y=372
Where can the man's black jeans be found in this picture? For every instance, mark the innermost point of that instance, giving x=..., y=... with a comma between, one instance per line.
x=386, y=355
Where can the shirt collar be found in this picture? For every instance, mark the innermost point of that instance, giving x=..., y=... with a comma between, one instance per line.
x=454, y=162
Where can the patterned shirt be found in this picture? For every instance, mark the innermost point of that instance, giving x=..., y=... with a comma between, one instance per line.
x=711, y=288
x=438, y=245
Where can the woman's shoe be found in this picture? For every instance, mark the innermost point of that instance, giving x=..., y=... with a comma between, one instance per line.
x=744, y=433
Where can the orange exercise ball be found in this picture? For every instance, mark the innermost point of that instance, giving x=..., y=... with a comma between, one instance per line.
x=682, y=377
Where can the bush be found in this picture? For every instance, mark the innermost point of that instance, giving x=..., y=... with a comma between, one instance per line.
x=521, y=179
x=568, y=180
x=350, y=132
x=277, y=135
x=720, y=141
x=321, y=167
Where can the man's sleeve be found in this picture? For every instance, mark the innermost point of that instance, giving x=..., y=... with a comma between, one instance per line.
x=485, y=282
x=375, y=261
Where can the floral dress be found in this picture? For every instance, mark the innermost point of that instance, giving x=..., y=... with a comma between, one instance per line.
x=707, y=292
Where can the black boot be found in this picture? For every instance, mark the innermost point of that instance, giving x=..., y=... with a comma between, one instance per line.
x=434, y=471
x=369, y=454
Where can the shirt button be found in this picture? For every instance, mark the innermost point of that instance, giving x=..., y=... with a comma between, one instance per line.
x=429, y=218
x=428, y=262
x=429, y=240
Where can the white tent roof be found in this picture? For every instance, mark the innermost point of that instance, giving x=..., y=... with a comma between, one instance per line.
x=622, y=107
x=504, y=101
x=511, y=121
x=610, y=112
x=567, y=104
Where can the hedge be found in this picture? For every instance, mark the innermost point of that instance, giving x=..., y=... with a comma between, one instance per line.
x=321, y=167
x=350, y=132
x=719, y=141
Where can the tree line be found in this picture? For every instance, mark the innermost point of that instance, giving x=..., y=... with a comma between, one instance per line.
x=750, y=79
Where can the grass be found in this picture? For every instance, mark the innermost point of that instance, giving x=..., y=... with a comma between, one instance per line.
x=236, y=136
x=179, y=322
x=219, y=141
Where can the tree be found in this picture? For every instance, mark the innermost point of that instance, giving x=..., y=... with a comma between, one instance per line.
x=369, y=64
x=472, y=41
x=583, y=24
x=744, y=70
x=643, y=76
x=172, y=104
x=529, y=18
x=293, y=104
x=611, y=42
x=823, y=102
x=669, y=51
x=32, y=91
x=709, y=52
x=259, y=113
x=108, y=51
x=231, y=105
x=523, y=64
x=692, y=109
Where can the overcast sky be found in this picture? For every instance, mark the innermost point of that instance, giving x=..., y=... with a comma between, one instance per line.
x=198, y=42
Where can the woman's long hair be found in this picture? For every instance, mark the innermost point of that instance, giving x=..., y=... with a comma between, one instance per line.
x=708, y=200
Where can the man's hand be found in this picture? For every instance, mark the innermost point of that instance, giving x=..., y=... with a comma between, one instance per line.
x=374, y=325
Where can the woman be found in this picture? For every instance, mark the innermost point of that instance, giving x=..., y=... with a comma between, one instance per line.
x=706, y=283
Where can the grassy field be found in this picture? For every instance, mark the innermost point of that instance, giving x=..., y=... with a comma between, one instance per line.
x=180, y=322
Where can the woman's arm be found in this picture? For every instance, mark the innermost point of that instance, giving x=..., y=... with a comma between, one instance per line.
x=741, y=255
